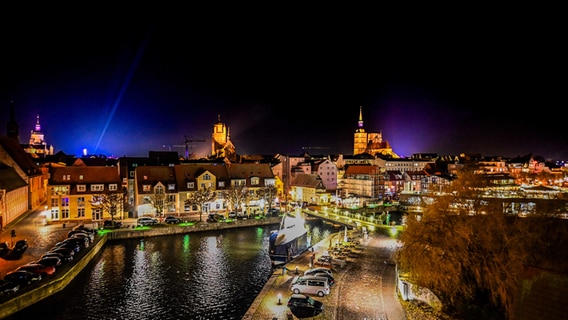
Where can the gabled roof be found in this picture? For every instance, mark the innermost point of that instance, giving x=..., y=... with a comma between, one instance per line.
x=246, y=171
x=83, y=175
x=9, y=179
x=152, y=175
x=189, y=173
x=20, y=158
x=361, y=169
x=308, y=181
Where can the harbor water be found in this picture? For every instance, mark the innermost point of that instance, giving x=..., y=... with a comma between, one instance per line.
x=203, y=275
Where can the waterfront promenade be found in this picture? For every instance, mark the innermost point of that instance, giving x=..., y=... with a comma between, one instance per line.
x=365, y=285
x=364, y=274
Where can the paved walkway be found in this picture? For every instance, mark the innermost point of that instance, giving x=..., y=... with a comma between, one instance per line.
x=365, y=287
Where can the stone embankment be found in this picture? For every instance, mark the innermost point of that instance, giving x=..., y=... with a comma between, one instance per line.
x=37, y=292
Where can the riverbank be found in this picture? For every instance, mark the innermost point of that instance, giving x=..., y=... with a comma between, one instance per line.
x=31, y=294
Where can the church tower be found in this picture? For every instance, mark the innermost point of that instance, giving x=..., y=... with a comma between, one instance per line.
x=370, y=142
x=219, y=137
x=37, y=146
x=360, y=141
x=221, y=145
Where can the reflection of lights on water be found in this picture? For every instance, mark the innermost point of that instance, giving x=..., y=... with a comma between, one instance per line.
x=186, y=243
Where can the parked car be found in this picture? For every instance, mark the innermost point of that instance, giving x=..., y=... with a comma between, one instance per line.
x=213, y=217
x=43, y=270
x=274, y=212
x=62, y=257
x=329, y=277
x=75, y=244
x=22, y=277
x=90, y=235
x=172, y=220
x=313, y=271
x=8, y=287
x=303, y=306
x=4, y=248
x=232, y=215
x=82, y=227
x=147, y=221
x=310, y=285
x=82, y=242
x=86, y=237
x=67, y=252
x=112, y=224
x=21, y=246
x=50, y=261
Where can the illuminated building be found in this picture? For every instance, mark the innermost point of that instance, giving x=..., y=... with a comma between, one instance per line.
x=370, y=142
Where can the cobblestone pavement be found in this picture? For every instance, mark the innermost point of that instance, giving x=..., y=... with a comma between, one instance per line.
x=365, y=286
x=40, y=238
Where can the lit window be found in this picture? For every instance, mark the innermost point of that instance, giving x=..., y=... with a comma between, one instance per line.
x=171, y=186
x=97, y=187
x=146, y=187
x=112, y=187
x=81, y=188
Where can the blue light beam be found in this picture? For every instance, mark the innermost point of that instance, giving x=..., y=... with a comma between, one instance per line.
x=126, y=83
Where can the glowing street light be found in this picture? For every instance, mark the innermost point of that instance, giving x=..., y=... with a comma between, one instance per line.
x=279, y=298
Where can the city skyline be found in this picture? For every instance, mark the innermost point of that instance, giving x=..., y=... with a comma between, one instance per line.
x=126, y=89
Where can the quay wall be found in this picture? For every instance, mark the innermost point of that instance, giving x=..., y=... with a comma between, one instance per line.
x=55, y=284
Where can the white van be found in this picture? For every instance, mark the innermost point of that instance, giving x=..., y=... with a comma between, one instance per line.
x=310, y=285
x=147, y=221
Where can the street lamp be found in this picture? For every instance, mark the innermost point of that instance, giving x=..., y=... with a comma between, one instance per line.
x=279, y=298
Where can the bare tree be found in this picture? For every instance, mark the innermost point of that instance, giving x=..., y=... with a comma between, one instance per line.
x=111, y=203
x=237, y=195
x=468, y=252
x=267, y=193
x=199, y=198
x=158, y=201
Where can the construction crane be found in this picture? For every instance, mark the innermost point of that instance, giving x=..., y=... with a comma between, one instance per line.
x=186, y=145
x=313, y=148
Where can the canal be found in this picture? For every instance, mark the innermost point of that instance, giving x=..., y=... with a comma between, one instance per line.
x=203, y=275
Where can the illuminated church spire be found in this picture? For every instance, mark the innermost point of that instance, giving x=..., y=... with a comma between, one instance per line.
x=360, y=123
x=37, y=126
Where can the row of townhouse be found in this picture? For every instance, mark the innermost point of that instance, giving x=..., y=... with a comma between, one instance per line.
x=22, y=183
x=74, y=190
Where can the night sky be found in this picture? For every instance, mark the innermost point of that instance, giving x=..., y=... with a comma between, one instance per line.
x=492, y=85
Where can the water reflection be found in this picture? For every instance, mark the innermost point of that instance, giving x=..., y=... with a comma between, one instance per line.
x=208, y=275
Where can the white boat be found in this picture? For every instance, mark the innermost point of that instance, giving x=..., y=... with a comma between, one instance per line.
x=290, y=240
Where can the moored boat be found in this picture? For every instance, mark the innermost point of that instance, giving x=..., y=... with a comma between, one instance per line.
x=289, y=241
